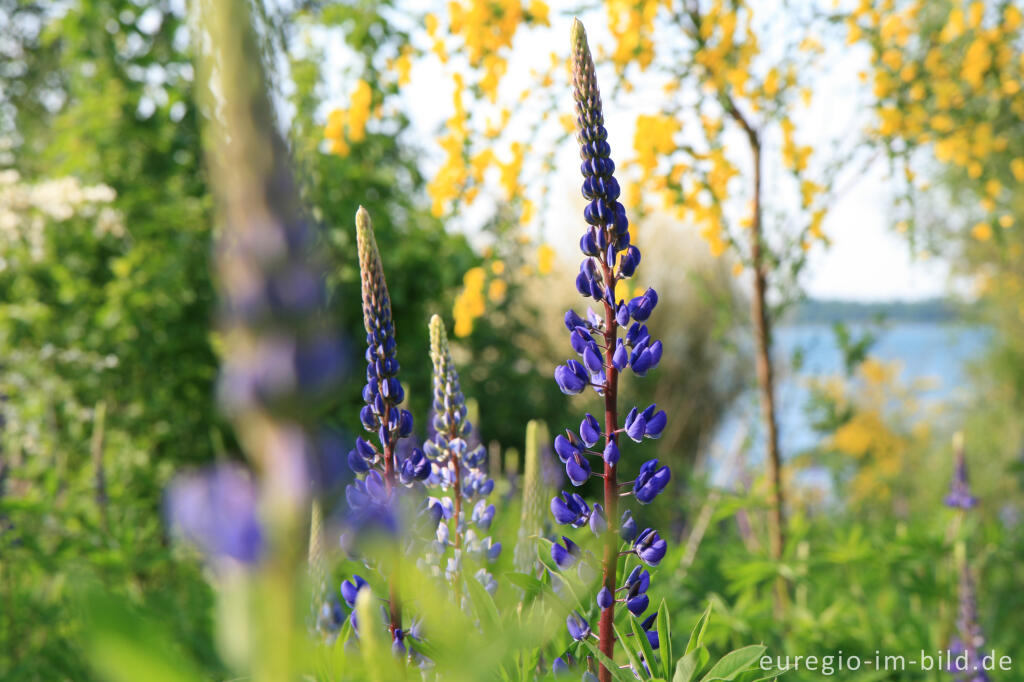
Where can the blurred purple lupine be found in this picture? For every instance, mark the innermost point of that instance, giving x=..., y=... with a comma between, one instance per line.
x=960, y=496
x=217, y=511
x=282, y=358
x=608, y=259
x=460, y=468
x=968, y=645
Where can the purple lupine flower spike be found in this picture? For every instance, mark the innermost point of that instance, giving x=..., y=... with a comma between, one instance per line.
x=383, y=466
x=967, y=646
x=461, y=469
x=960, y=496
x=383, y=394
x=607, y=342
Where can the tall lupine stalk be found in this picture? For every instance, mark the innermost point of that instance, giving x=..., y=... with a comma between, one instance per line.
x=608, y=259
x=282, y=359
x=969, y=640
x=373, y=497
x=460, y=470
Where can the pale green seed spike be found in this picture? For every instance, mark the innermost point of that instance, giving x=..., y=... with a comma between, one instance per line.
x=584, y=80
x=438, y=347
x=532, y=515
x=511, y=462
x=447, y=393
x=317, y=571
x=494, y=462
x=376, y=302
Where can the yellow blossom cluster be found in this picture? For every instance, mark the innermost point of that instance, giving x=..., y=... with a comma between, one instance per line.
x=345, y=126
x=470, y=303
x=728, y=67
x=402, y=65
x=956, y=87
x=718, y=172
x=484, y=30
x=511, y=170
x=451, y=178
x=794, y=156
x=632, y=26
x=728, y=48
x=881, y=430
x=545, y=259
x=478, y=287
x=653, y=138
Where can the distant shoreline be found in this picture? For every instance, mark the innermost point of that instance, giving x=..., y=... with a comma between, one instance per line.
x=830, y=311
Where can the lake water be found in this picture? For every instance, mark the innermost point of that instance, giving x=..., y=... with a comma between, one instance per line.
x=941, y=354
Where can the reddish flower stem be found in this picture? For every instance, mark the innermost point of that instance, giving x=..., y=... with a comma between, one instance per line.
x=394, y=603
x=457, y=492
x=610, y=563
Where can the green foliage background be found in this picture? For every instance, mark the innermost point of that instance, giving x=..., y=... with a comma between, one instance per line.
x=90, y=89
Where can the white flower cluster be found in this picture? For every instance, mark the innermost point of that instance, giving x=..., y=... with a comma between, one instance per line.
x=26, y=208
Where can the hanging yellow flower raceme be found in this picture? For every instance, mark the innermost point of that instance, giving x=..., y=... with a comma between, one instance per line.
x=545, y=259
x=653, y=138
x=632, y=25
x=511, y=170
x=346, y=126
x=451, y=177
x=469, y=304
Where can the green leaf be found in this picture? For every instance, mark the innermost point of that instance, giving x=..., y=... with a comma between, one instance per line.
x=690, y=665
x=632, y=650
x=778, y=673
x=697, y=634
x=126, y=647
x=665, y=637
x=607, y=662
x=645, y=646
x=483, y=604
x=530, y=586
x=376, y=652
x=734, y=663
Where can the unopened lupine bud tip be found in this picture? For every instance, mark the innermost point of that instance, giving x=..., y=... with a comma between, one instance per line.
x=578, y=34
x=364, y=229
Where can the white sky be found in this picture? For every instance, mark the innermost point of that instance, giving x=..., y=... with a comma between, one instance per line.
x=867, y=261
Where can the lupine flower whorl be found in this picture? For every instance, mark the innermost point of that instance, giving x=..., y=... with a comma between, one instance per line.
x=460, y=469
